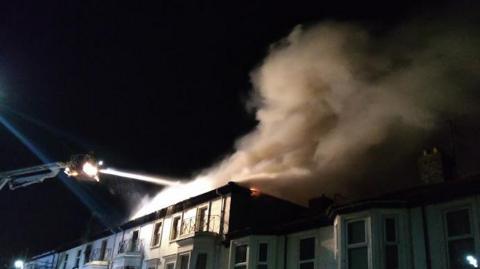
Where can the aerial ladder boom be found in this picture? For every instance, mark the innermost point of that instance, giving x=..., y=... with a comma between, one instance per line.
x=27, y=176
x=37, y=174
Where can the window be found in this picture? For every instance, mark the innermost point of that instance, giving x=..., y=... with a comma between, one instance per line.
x=357, y=246
x=262, y=256
x=157, y=233
x=65, y=261
x=201, y=261
x=240, y=261
x=307, y=253
x=135, y=242
x=202, y=219
x=152, y=264
x=77, y=258
x=88, y=251
x=170, y=265
x=103, y=250
x=183, y=261
x=176, y=225
x=460, y=241
x=391, y=243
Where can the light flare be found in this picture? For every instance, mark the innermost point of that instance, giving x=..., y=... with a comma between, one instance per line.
x=472, y=261
x=90, y=170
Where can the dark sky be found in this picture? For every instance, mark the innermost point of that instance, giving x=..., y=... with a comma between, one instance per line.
x=156, y=87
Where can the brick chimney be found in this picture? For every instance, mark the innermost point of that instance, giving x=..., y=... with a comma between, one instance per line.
x=431, y=166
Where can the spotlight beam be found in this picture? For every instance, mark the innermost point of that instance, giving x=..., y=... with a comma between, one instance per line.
x=155, y=180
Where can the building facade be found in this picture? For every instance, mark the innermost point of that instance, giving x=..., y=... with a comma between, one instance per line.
x=433, y=226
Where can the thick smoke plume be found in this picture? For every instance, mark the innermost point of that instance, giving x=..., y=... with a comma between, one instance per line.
x=340, y=110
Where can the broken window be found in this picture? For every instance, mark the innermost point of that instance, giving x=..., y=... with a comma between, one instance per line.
x=176, y=225
x=202, y=219
x=157, y=232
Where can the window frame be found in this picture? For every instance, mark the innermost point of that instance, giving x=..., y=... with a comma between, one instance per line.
x=245, y=263
x=152, y=263
x=103, y=249
x=299, y=261
x=160, y=232
x=179, y=261
x=385, y=241
x=174, y=227
x=87, y=254
x=65, y=261
x=171, y=259
x=367, y=243
x=448, y=238
x=77, y=258
x=265, y=262
x=207, y=216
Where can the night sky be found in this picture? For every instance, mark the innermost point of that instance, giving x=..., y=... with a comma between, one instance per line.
x=154, y=87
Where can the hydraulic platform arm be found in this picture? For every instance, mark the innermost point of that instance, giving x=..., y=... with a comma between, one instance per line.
x=81, y=165
x=27, y=176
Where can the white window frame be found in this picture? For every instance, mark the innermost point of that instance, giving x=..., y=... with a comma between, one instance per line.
x=300, y=262
x=258, y=254
x=459, y=237
x=160, y=232
x=179, y=259
x=386, y=243
x=245, y=263
x=152, y=263
x=366, y=243
x=171, y=259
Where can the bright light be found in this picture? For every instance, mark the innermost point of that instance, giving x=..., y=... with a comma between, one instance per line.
x=175, y=194
x=18, y=264
x=156, y=180
x=472, y=261
x=90, y=170
x=70, y=172
x=100, y=163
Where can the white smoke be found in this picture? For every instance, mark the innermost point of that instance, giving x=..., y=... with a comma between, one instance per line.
x=329, y=98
